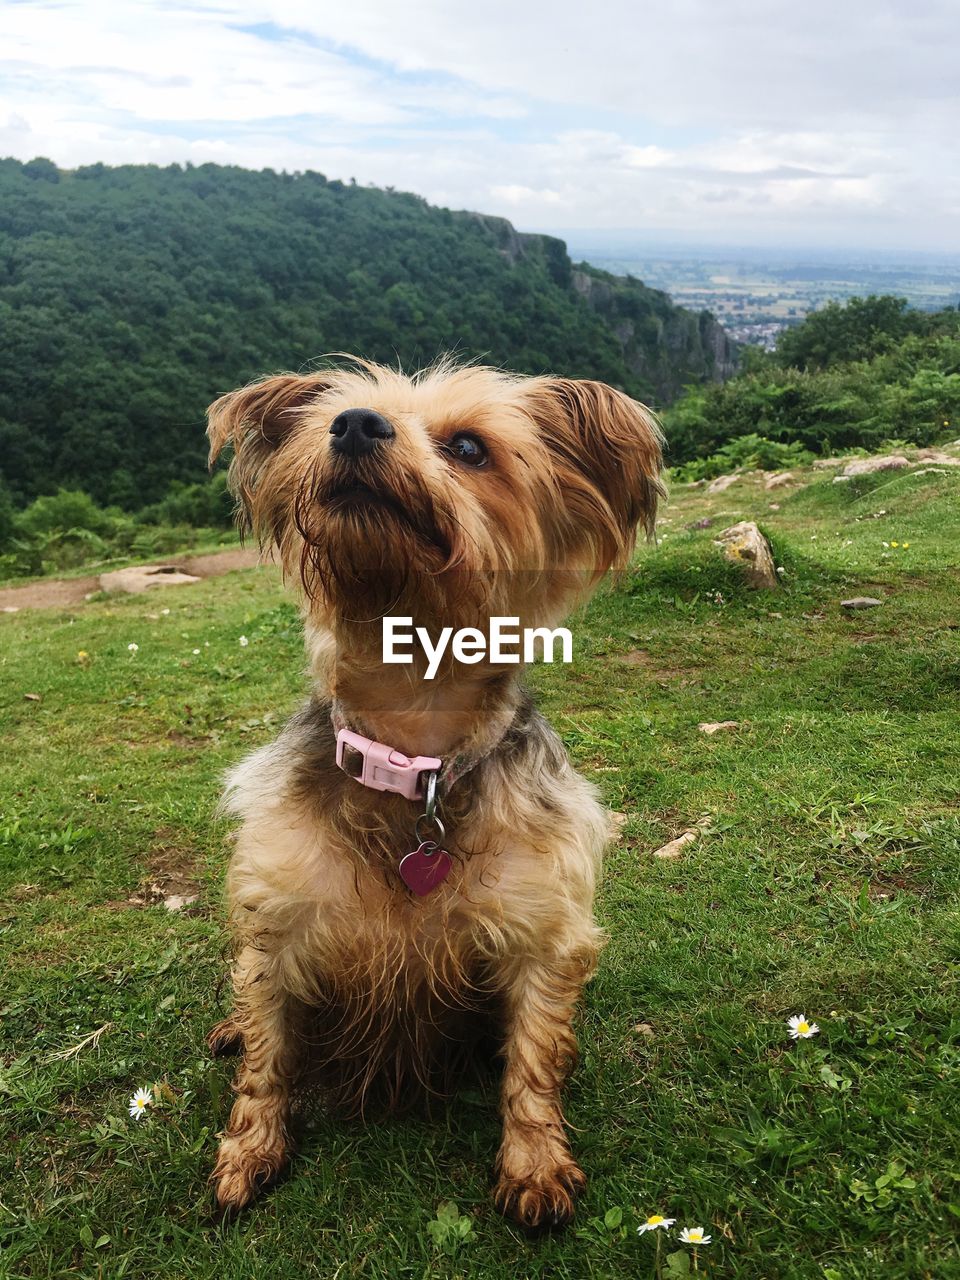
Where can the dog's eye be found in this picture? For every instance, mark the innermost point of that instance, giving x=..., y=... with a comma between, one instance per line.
x=467, y=449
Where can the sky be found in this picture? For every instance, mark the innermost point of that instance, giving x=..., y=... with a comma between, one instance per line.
x=754, y=122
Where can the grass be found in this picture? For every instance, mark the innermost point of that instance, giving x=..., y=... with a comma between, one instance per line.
x=828, y=884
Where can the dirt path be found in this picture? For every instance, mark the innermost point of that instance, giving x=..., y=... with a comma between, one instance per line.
x=57, y=592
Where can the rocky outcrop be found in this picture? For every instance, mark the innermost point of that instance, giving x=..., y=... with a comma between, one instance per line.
x=665, y=345
x=868, y=466
x=143, y=577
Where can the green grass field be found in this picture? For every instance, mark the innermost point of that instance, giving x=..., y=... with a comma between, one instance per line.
x=828, y=884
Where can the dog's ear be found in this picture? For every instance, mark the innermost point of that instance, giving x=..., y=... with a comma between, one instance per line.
x=257, y=420
x=607, y=451
x=261, y=414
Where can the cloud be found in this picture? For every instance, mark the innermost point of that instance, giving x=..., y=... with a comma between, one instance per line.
x=818, y=123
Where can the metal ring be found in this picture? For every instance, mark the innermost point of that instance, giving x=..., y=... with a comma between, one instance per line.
x=430, y=795
x=435, y=822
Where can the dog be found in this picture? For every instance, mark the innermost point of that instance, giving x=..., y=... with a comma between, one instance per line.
x=455, y=495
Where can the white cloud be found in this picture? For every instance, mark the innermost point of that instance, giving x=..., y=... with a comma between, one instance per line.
x=821, y=122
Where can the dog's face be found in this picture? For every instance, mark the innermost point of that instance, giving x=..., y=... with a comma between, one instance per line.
x=457, y=494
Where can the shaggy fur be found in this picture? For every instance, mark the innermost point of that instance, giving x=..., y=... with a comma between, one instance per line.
x=340, y=972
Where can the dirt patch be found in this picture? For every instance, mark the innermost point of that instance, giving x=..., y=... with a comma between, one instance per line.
x=58, y=593
x=643, y=660
x=170, y=879
x=184, y=740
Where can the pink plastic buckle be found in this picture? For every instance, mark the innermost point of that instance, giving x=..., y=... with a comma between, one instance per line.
x=381, y=767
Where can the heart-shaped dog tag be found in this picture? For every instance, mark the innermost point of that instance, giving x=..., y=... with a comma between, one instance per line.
x=425, y=868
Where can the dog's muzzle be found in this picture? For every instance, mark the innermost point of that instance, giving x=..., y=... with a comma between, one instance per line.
x=357, y=432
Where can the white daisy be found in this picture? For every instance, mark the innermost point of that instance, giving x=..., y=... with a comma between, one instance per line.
x=655, y=1222
x=133, y=647
x=244, y=642
x=142, y=1099
x=800, y=1028
x=694, y=1235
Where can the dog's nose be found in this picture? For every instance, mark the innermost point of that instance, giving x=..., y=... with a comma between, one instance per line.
x=356, y=432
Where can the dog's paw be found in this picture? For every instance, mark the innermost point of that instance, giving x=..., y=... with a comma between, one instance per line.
x=544, y=1198
x=225, y=1040
x=241, y=1174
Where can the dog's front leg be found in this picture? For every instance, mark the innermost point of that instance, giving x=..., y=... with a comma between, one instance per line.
x=255, y=1145
x=538, y=1177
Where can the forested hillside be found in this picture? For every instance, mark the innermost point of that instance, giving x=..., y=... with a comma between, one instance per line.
x=130, y=297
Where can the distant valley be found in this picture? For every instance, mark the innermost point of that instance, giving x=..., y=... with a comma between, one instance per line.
x=756, y=293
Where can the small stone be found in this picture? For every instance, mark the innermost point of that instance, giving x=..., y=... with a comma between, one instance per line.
x=703, y=523
x=779, y=479
x=774, y=506
x=674, y=848
x=11, y=608
x=745, y=545
x=860, y=602
x=646, y=1030
x=617, y=822
x=177, y=901
x=841, y=479
x=32, y=697
x=711, y=727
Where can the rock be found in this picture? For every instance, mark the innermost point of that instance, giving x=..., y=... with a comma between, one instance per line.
x=10, y=608
x=711, y=727
x=779, y=479
x=703, y=523
x=618, y=821
x=142, y=577
x=721, y=483
x=32, y=697
x=841, y=479
x=822, y=463
x=645, y=1029
x=177, y=901
x=674, y=848
x=745, y=545
x=867, y=466
x=860, y=602
x=938, y=456
x=774, y=506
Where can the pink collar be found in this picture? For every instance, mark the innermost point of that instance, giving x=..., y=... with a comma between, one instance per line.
x=381, y=767
x=384, y=768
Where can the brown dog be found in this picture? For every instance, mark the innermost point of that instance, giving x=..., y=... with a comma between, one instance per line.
x=452, y=497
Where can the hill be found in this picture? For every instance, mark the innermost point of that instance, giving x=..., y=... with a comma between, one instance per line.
x=130, y=297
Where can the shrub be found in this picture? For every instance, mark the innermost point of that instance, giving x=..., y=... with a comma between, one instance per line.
x=66, y=509
x=749, y=452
